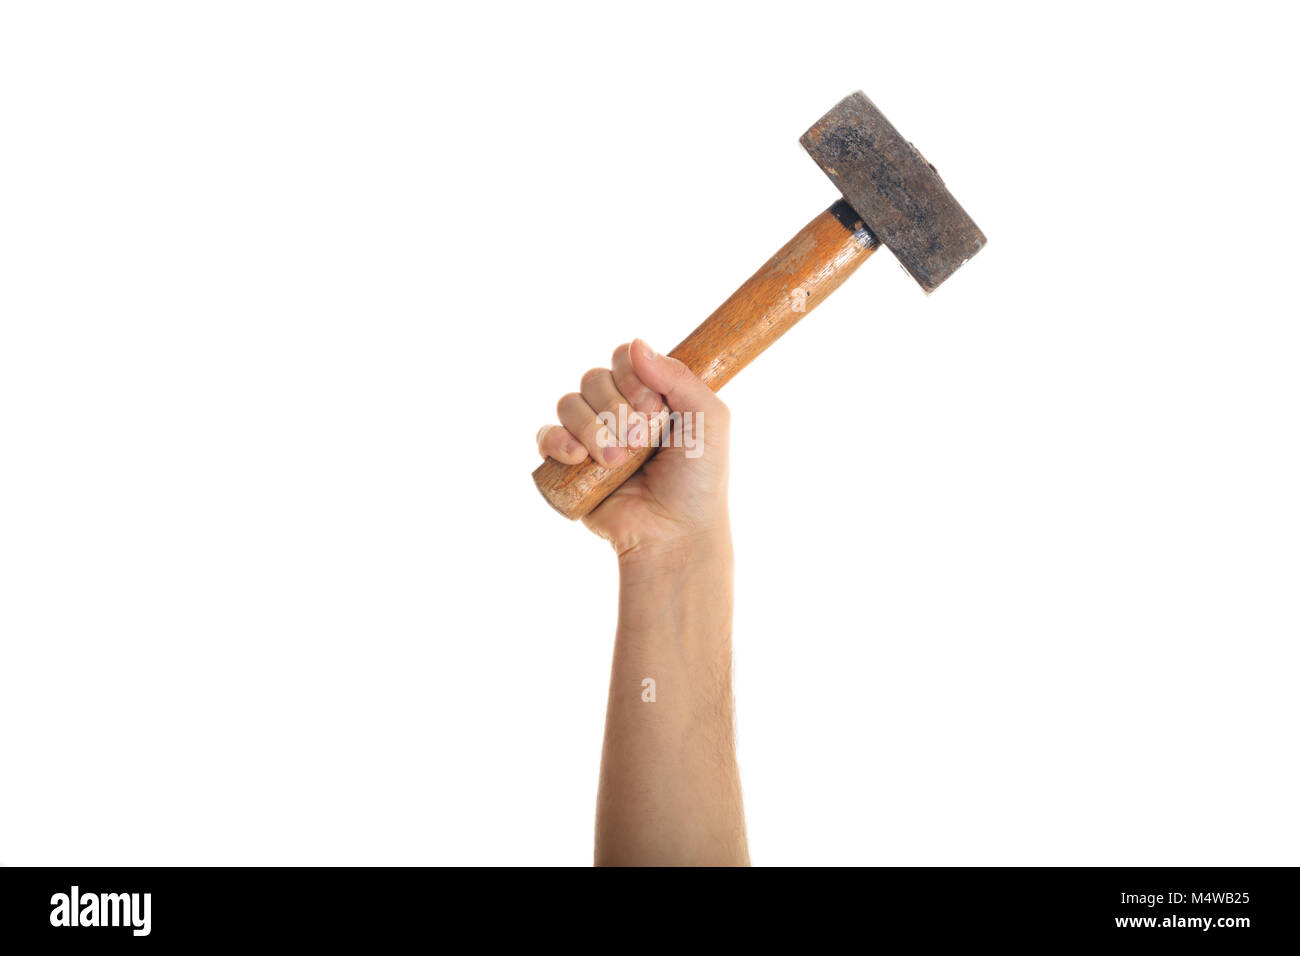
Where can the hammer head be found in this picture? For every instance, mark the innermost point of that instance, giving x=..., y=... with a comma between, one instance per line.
x=898, y=194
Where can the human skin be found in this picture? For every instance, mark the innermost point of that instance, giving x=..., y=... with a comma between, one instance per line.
x=669, y=785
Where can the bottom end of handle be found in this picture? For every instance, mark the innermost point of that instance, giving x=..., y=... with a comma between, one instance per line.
x=575, y=491
x=559, y=494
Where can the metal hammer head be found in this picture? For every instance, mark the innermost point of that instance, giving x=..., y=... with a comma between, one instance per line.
x=898, y=194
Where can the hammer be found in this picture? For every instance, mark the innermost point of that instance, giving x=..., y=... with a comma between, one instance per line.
x=891, y=194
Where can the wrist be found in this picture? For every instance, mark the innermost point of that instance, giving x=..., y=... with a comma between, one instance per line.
x=704, y=550
x=679, y=592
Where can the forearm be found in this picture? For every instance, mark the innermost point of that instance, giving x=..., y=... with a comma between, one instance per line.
x=669, y=785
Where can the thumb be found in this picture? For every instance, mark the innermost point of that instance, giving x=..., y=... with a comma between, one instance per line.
x=679, y=386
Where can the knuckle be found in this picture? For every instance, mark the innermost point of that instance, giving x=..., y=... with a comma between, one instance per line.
x=568, y=405
x=594, y=377
x=627, y=382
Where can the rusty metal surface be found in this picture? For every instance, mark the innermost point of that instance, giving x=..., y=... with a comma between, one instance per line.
x=894, y=189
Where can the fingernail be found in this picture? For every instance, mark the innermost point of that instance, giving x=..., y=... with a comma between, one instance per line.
x=646, y=350
x=609, y=450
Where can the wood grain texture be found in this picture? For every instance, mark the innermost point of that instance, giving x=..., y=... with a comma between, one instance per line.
x=791, y=284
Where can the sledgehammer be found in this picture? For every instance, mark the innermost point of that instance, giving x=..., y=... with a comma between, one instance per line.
x=891, y=195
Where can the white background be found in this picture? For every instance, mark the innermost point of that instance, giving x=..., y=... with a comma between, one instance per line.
x=286, y=290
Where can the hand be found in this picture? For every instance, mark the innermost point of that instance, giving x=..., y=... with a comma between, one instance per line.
x=678, y=500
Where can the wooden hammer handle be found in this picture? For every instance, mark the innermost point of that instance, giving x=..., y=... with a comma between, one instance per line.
x=791, y=284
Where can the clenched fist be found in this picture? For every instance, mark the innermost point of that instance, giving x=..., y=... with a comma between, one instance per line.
x=680, y=496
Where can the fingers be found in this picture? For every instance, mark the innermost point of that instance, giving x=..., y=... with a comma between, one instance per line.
x=670, y=378
x=639, y=378
x=580, y=419
x=639, y=395
x=555, y=441
x=580, y=433
x=600, y=392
